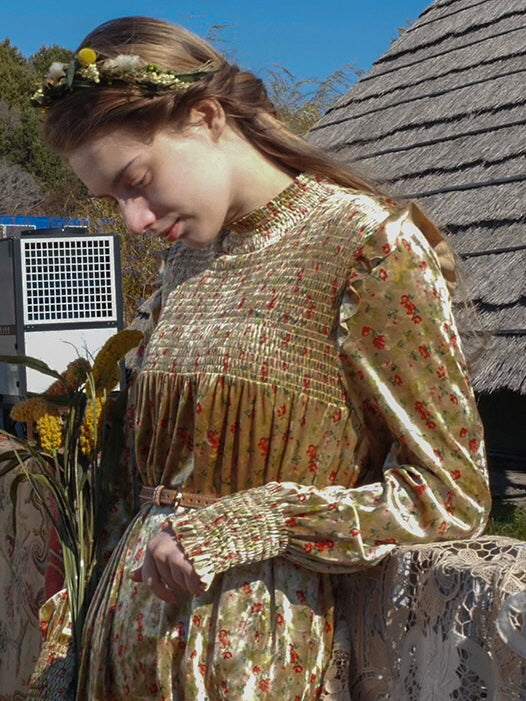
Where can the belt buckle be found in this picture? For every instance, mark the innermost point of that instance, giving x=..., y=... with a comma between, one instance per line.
x=157, y=495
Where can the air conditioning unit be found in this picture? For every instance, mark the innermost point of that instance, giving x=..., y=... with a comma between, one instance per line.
x=61, y=299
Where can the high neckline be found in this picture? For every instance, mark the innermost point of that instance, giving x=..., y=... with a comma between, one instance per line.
x=263, y=225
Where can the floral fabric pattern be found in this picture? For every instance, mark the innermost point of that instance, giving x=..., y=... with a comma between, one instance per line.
x=307, y=371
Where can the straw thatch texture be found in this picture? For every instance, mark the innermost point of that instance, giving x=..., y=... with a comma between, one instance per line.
x=441, y=118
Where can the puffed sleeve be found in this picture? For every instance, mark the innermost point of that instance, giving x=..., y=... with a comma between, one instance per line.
x=404, y=368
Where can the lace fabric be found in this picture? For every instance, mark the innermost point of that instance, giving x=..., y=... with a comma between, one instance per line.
x=440, y=622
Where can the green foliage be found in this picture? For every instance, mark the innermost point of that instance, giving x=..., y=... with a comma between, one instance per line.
x=507, y=520
x=16, y=80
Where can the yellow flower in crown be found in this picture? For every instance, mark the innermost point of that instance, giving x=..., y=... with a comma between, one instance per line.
x=86, y=56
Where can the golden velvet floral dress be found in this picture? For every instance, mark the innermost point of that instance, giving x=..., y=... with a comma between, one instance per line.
x=306, y=370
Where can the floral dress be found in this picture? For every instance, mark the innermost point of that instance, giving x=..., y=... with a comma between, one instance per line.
x=306, y=370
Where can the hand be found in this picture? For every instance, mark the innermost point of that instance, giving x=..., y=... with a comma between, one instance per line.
x=166, y=570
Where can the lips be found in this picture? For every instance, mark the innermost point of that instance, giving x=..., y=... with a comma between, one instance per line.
x=173, y=233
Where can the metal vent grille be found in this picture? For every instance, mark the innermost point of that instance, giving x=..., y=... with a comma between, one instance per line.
x=68, y=279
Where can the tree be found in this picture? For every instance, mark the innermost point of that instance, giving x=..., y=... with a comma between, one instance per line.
x=20, y=192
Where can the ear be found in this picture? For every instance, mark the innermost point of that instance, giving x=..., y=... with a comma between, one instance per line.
x=210, y=113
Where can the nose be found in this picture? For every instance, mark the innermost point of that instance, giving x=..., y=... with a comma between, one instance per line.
x=137, y=214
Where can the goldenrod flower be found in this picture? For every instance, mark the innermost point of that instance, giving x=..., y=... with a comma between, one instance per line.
x=106, y=366
x=50, y=433
x=33, y=409
x=86, y=56
x=91, y=429
x=74, y=375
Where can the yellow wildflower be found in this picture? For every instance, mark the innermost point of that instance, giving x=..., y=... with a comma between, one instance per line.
x=91, y=429
x=86, y=56
x=50, y=432
x=106, y=366
x=33, y=409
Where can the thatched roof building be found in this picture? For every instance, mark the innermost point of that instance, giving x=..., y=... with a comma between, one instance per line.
x=441, y=117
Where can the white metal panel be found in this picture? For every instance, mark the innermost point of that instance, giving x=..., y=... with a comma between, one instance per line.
x=68, y=279
x=58, y=348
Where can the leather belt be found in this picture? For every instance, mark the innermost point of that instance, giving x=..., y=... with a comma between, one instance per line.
x=162, y=496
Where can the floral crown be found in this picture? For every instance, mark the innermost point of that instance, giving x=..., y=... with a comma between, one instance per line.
x=85, y=71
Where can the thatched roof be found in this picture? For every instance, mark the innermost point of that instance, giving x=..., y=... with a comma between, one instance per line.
x=441, y=117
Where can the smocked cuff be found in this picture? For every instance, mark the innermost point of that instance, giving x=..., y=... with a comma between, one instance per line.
x=239, y=529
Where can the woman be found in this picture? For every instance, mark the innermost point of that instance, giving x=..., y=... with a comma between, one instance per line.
x=303, y=404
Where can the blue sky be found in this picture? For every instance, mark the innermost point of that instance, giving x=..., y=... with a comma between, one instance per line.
x=311, y=38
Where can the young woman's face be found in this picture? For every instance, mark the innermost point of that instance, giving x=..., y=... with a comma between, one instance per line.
x=177, y=185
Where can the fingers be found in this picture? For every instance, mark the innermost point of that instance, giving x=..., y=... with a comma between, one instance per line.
x=166, y=570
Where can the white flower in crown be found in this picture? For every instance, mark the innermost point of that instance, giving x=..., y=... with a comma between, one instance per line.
x=123, y=62
x=57, y=70
x=91, y=73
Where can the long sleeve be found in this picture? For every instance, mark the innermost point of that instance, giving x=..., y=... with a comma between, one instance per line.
x=406, y=374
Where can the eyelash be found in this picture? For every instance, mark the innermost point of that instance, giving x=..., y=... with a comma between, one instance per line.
x=141, y=182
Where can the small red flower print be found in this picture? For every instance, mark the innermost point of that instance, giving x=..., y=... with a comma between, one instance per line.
x=473, y=445
x=366, y=330
x=263, y=445
x=301, y=596
x=441, y=372
x=279, y=619
x=198, y=408
x=290, y=522
x=453, y=399
x=327, y=627
x=420, y=488
x=196, y=620
x=271, y=304
x=202, y=668
x=298, y=668
x=247, y=589
x=442, y=528
x=311, y=452
x=454, y=341
x=306, y=382
x=424, y=352
x=386, y=248
x=422, y=411
x=256, y=669
x=307, y=547
x=264, y=372
x=332, y=476
x=431, y=424
x=281, y=411
x=213, y=439
x=256, y=608
x=379, y=342
x=408, y=305
x=354, y=532
x=337, y=417
x=294, y=657
x=322, y=545
x=264, y=684
x=227, y=655
x=383, y=274
x=397, y=380
x=416, y=319
x=438, y=454
x=423, y=265
x=463, y=432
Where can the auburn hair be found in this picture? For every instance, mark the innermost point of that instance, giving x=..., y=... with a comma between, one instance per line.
x=80, y=115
